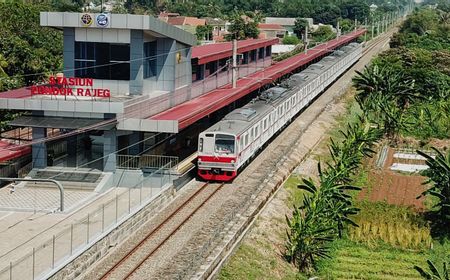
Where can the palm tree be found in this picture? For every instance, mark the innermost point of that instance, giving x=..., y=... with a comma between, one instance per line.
x=434, y=274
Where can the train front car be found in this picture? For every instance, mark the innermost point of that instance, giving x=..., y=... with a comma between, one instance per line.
x=217, y=159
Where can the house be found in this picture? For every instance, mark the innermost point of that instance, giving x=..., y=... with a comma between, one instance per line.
x=271, y=30
x=287, y=23
x=186, y=23
x=220, y=27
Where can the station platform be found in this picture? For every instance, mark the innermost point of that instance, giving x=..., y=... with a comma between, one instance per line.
x=38, y=238
x=191, y=111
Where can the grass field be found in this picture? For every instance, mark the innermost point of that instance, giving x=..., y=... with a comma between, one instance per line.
x=351, y=260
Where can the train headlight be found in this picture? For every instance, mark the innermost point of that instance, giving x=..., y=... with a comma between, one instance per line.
x=232, y=161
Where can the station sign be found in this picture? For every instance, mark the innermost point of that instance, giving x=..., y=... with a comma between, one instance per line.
x=70, y=87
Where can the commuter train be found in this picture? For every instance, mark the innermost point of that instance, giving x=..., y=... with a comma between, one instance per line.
x=231, y=143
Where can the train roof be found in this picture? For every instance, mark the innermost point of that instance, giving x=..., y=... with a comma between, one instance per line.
x=239, y=120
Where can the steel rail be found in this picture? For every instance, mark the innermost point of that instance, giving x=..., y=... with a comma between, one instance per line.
x=124, y=258
x=172, y=233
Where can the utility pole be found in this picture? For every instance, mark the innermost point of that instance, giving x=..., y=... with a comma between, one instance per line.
x=373, y=27
x=356, y=23
x=365, y=33
x=306, y=39
x=234, y=65
x=338, y=29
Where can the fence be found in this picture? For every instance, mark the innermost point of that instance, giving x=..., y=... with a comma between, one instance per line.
x=80, y=235
x=146, y=162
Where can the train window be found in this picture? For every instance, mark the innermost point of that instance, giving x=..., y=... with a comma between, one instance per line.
x=224, y=144
x=265, y=124
x=200, y=145
x=246, y=139
x=256, y=131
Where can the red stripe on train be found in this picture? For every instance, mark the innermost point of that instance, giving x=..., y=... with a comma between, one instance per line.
x=216, y=159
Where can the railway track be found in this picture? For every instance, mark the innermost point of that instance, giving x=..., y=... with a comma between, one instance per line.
x=155, y=239
x=183, y=260
x=247, y=188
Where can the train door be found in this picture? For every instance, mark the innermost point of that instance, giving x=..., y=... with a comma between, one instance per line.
x=206, y=144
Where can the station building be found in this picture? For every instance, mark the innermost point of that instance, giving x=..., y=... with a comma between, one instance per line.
x=119, y=71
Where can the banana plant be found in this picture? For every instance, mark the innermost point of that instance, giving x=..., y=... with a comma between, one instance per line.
x=434, y=273
x=438, y=175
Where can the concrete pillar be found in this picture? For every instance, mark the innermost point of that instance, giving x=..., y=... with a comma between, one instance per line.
x=109, y=150
x=39, y=151
x=165, y=63
x=134, y=140
x=69, y=51
x=72, y=151
x=136, y=62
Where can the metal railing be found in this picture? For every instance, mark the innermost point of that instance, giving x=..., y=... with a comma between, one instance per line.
x=146, y=162
x=45, y=259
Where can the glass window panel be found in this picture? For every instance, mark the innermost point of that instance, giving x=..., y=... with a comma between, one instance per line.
x=120, y=52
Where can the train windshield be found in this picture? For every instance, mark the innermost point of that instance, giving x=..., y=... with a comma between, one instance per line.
x=224, y=144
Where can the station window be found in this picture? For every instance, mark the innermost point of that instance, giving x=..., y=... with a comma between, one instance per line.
x=245, y=58
x=252, y=55
x=268, y=50
x=211, y=68
x=102, y=61
x=222, y=64
x=150, y=59
x=260, y=53
x=197, y=71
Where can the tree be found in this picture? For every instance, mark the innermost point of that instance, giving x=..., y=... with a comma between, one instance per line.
x=300, y=27
x=346, y=25
x=30, y=51
x=327, y=14
x=240, y=29
x=420, y=22
x=438, y=175
x=384, y=95
x=434, y=274
x=290, y=40
x=323, y=33
x=327, y=207
x=204, y=32
x=355, y=9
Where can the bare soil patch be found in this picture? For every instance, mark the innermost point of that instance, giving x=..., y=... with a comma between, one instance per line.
x=393, y=187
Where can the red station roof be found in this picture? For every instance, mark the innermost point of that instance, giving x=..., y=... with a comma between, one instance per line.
x=16, y=93
x=8, y=151
x=212, y=52
x=191, y=111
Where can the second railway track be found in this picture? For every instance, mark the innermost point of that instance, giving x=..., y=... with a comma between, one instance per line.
x=156, y=238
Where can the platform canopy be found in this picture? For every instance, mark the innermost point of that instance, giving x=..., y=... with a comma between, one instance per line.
x=59, y=122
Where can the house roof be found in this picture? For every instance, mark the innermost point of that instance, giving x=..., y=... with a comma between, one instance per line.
x=193, y=21
x=280, y=21
x=285, y=21
x=270, y=26
x=215, y=21
x=212, y=52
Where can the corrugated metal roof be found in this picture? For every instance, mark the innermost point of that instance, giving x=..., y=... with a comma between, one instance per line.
x=270, y=26
x=212, y=52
